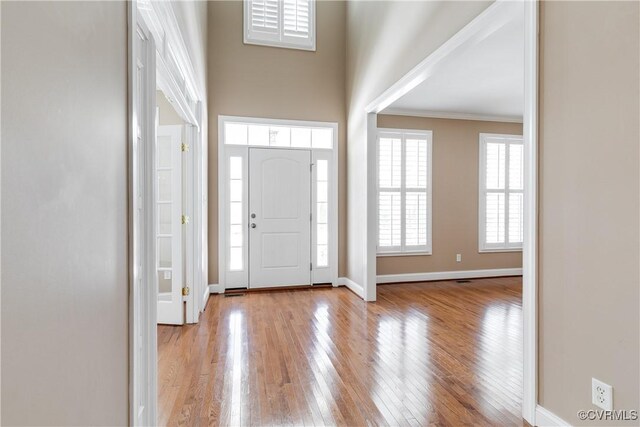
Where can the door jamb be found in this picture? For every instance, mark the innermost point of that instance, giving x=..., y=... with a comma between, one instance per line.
x=190, y=101
x=142, y=325
x=483, y=25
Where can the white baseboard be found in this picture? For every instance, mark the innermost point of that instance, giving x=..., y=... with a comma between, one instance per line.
x=448, y=275
x=355, y=288
x=216, y=289
x=205, y=296
x=546, y=418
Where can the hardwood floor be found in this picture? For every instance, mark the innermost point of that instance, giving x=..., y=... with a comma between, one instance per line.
x=439, y=353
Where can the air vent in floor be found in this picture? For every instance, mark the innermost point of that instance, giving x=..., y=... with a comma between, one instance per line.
x=234, y=294
x=463, y=281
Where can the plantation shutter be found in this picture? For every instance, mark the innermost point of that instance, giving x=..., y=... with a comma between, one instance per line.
x=264, y=16
x=281, y=23
x=501, y=192
x=296, y=18
x=404, y=198
x=416, y=192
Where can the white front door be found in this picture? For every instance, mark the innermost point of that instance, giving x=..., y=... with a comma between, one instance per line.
x=169, y=224
x=279, y=217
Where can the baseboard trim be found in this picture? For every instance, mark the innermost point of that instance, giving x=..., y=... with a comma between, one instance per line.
x=448, y=275
x=216, y=289
x=546, y=418
x=205, y=297
x=353, y=286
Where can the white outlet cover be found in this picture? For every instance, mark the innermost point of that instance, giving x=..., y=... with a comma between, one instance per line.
x=601, y=394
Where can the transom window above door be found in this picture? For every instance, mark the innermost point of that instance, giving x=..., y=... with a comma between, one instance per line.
x=501, y=193
x=277, y=135
x=280, y=23
x=404, y=192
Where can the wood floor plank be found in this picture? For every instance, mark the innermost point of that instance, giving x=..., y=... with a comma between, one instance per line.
x=437, y=353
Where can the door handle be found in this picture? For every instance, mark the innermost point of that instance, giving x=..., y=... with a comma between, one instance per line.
x=253, y=225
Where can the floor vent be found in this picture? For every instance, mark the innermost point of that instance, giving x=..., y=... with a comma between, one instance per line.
x=463, y=281
x=234, y=294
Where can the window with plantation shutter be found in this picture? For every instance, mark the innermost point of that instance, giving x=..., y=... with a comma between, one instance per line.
x=280, y=23
x=501, y=195
x=404, y=191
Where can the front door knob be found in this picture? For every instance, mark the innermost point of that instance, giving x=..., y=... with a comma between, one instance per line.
x=253, y=225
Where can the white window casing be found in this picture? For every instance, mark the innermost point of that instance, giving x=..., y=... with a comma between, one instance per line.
x=280, y=23
x=404, y=192
x=501, y=193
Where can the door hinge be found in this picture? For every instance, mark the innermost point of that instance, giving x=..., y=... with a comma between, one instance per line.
x=185, y=291
x=184, y=220
x=184, y=147
x=311, y=167
x=310, y=266
x=311, y=216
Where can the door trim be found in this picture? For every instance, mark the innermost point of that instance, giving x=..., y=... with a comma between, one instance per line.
x=331, y=155
x=143, y=300
x=159, y=25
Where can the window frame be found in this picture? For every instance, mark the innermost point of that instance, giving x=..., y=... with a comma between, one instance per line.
x=402, y=250
x=483, y=246
x=251, y=37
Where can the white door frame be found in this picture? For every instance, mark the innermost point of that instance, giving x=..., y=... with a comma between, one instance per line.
x=169, y=61
x=242, y=150
x=483, y=25
x=142, y=243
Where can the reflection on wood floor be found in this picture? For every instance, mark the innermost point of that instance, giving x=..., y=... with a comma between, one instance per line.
x=439, y=353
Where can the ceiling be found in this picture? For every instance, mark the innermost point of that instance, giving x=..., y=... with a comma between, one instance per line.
x=482, y=81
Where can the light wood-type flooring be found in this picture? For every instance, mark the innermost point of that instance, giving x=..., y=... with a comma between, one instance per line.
x=438, y=353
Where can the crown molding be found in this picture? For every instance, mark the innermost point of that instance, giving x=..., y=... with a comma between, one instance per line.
x=450, y=115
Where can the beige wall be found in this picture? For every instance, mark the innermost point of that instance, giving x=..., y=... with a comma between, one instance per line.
x=385, y=39
x=64, y=213
x=258, y=81
x=589, y=204
x=167, y=115
x=454, y=199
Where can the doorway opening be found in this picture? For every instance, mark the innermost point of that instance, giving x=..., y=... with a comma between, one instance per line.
x=172, y=209
x=277, y=203
x=498, y=234
x=168, y=238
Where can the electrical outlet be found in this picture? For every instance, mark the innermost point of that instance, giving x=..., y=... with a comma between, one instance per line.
x=601, y=394
x=458, y=257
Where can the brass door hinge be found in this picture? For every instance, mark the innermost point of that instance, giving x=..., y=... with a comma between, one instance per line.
x=184, y=147
x=185, y=291
x=184, y=220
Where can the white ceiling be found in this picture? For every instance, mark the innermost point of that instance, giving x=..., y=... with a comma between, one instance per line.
x=483, y=81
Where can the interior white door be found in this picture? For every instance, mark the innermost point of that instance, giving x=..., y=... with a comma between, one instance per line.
x=279, y=217
x=169, y=224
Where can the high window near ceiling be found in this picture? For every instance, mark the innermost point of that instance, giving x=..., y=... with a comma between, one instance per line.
x=501, y=193
x=280, y=23
x=404, y=192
